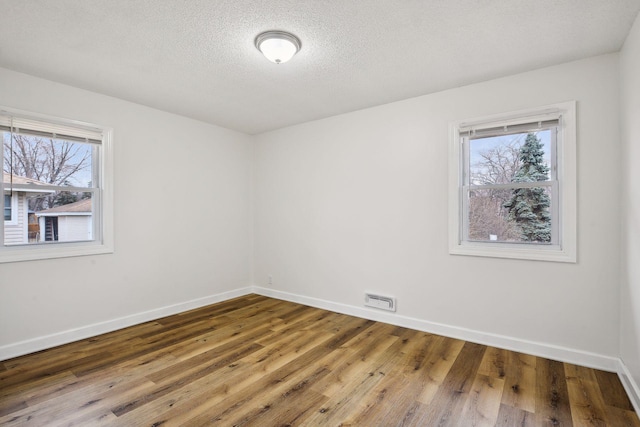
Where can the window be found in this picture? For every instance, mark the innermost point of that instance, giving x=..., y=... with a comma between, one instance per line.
x=57, y=187
x=8, y=208
x=513, y=185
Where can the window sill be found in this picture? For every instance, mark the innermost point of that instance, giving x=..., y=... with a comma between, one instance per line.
x=514, y=251
x=52, y=251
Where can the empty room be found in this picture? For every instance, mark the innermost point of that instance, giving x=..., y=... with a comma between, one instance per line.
x=320, y=213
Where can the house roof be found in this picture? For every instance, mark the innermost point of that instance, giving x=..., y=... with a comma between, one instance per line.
x=355, y=54
x=81, y=207
x=22, y=183
x=20, y=179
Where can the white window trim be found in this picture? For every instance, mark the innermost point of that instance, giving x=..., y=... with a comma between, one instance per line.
x=14, y=209
x=104, y=197
x=566, y=250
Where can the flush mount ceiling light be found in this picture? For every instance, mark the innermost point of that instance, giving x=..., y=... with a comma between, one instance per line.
x=278, y=46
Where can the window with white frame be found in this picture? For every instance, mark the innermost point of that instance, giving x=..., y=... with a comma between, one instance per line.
x=59, y=171
x=513, y=185
x=9, y=209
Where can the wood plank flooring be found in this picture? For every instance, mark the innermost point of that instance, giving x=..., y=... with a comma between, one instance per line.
x=256, y=361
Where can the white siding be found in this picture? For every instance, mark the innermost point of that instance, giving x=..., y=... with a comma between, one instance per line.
x=17, y=233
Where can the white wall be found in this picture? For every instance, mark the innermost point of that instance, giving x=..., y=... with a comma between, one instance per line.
x=630, y=292
x=183, y=218
x=358, y=202
x=342, y=205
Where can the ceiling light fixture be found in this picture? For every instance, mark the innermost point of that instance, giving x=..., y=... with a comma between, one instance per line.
x=278, y=46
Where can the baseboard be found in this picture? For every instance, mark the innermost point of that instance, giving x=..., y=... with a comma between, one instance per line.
x=549, y=351
x=630, y=385
x=71, y=335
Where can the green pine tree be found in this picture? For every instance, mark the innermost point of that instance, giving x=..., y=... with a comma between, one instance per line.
x=529, y=207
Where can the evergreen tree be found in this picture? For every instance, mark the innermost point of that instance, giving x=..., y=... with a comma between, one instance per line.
x=529, y=207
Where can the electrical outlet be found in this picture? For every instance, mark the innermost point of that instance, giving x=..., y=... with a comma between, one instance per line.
x=270, y=280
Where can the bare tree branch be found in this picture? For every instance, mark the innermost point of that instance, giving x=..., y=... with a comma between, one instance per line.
x=55, y=162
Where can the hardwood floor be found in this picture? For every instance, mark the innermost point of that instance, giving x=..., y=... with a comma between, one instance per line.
x=256, y=361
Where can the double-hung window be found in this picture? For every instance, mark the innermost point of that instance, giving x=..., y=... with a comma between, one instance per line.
x=57, y=187
x=513, y=185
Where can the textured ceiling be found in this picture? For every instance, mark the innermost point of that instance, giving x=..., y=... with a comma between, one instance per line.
x=197, y=57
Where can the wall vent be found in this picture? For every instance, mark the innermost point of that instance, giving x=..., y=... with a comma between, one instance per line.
x=378, y=301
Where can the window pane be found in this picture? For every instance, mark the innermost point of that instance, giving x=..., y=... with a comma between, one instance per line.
x=510, y=215
x=70, y=220
x=521, y=157
x=7, y=208
x=48, y=160
x=35, y=165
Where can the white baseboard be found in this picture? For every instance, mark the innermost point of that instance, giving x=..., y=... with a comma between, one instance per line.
x=563, y=354
x=549, y=351
x=71, y=335
x=632, y=388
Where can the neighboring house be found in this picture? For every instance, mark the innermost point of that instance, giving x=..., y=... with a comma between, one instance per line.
x=18, y=228
x=67, y=223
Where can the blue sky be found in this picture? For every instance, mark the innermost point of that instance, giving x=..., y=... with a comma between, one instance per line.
x=478, y=146
x=80, y=178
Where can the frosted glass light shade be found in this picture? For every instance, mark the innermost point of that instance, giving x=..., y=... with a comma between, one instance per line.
x=278, y=46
